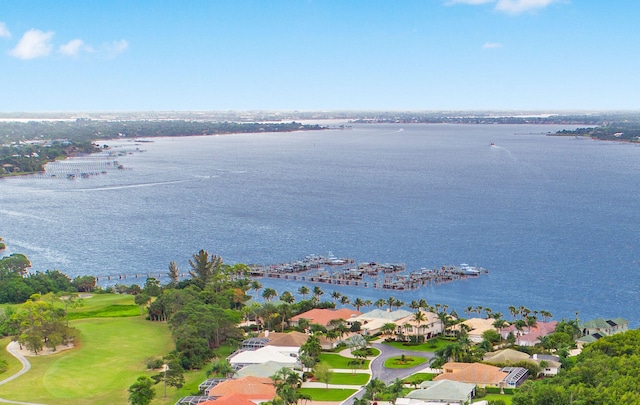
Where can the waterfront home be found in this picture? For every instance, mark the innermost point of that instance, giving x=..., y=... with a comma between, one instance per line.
x=604, y=327
x=371, y=322
x=262, y=370
x=430, y=327
x=440, y=392
x=476, y=326
x=323, y=316
x=529, y=336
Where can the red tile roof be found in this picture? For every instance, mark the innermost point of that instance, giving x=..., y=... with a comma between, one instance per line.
x=232, y=399
x=250, y=387
x=324, y=316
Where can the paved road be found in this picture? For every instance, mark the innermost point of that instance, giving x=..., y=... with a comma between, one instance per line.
x=390, y=374
x=12, y=348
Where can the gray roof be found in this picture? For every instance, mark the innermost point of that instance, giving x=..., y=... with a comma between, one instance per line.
x=261, y=370
x=446, y=390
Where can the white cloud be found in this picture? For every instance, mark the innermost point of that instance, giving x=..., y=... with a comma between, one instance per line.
x=4, y=31
x=520, y=6
x=74, y=47
x=508, y=6
x=114, y=48
x=491, y=45
x=33, y=44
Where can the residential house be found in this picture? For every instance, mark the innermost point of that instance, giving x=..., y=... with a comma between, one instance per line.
x=262, y=355
x=323, y=316
x=257, y=389
x=505, y=356
x=604, y=327
x=371, y=322
x=551, y=364
x=476, y=326
x=430, y=327
x=440, y=392
x=529, y=336
x=231, y=399
x=483, y=375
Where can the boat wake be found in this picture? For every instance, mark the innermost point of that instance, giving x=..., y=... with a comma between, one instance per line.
x=107, y=188
x=25, y=215
x=496, y=147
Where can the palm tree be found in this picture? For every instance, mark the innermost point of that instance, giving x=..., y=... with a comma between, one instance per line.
x=422, y=303
x=317, y=293
x=513, y=311
x=531, y=321
x=419, y=317
x=256, y=286
x=414, y=305
x=358, y=303
x=546, y=315
x=391, y=302
x=269, y=293
x=287, y=297
x=398, y=303
x=304, y=291
x=468, y=310
x=335, y=295
x=380, y=303
x=368, y=303
x=344, y=300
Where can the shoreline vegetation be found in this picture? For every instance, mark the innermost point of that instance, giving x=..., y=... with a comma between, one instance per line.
x=172, y=336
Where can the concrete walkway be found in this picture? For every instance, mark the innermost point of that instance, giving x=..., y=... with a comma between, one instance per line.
x=12, y=348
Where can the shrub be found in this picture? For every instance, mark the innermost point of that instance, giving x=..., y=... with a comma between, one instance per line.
x=153, y=364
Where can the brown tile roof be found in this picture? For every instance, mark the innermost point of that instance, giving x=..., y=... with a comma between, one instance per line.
x=474, y=373
x=250, y=387
x=291, y=339
x=324, y=316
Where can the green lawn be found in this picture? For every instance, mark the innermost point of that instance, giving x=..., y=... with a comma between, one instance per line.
x=331, y=394
x=418, y=378
x=105, y=305
x=410, y=361
x=349, y=379
x=110, y=356
x=337, y=361
x=489, y=397
x=431, y=346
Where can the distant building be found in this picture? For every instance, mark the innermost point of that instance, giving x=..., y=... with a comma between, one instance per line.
x=324, y=316
x=598, y=328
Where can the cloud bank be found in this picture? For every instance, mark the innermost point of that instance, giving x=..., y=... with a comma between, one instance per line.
x=33, y=44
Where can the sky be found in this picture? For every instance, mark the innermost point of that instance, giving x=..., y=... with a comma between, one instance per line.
x=319, y=55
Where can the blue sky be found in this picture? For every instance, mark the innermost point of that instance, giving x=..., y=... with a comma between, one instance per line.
x=319, y=55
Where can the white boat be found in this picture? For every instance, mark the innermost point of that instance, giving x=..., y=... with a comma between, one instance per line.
x=469, y=270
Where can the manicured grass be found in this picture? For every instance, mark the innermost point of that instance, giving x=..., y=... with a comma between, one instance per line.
x=349, y=379
x=489, y=397
x=105, y=306
x=110, y=356
x=374, y=352
x=337, y=361
x=431, y=346
x=410, y=361
x=418, y=378
x=331, y=394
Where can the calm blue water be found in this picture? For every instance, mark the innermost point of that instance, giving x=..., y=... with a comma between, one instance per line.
x=554, y=219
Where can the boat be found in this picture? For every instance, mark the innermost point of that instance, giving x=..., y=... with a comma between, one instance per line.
x=492, y=144
x=469, y=270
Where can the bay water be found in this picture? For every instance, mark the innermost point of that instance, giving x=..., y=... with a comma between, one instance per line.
x=555, y=220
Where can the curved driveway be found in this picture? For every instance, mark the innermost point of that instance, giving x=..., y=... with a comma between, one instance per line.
x=12, y=348
x=390, y=374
